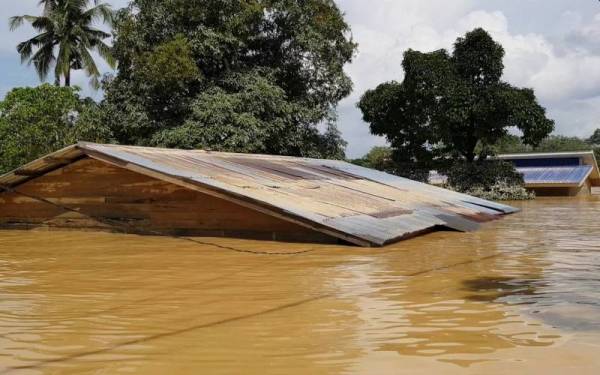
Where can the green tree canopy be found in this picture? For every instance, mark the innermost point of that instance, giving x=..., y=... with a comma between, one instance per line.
x=36, y=121
x=66, y=37
x=452, y=105
x=379, y=157
x=594, y=139
x=553, y=143
x=233, y=75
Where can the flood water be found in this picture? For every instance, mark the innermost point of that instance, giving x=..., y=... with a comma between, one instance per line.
x=521, y=296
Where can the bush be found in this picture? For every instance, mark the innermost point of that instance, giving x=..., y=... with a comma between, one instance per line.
x=502, y=192
x=382, y=159
x=490, y=179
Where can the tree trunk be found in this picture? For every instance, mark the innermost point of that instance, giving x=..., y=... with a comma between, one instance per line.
x=57, y=80
x=471, y=145
x=68, y=78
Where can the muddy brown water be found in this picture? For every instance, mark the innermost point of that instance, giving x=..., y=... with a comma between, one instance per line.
x=521, y=296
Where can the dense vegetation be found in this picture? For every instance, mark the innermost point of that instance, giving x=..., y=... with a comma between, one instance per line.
x=37, y=121
x=266, y=76
x=230, y=75
x=452, y=108
x=553, y=143
x=492, y=179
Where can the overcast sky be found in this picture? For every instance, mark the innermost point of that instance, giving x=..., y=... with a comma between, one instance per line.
x=552, y=46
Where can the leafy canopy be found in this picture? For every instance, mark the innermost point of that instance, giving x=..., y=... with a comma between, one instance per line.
x=594, y=139
x=37, y=121
x=234, y=75
x=66, y=36
x=451, y=106
x=553, y=143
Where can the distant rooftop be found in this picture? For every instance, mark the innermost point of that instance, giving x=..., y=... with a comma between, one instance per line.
x=556, y=169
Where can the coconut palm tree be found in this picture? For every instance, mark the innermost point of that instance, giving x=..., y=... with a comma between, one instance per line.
x=66, y=37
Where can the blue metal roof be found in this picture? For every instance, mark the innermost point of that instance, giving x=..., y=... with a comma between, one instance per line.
x=546, y=162
x=574, y=175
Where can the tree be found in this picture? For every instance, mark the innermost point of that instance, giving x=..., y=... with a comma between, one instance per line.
x=452, y=106
x=37, y=121
x=594, y=139
x=66, y=27
x=232, y=75
x=553, y=143
x=379, y=157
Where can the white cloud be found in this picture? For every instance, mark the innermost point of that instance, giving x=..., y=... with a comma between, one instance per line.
x=565, y=76
x=558, y=55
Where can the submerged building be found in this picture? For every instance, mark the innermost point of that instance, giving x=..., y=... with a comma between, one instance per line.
x=557, y=173
x=200, y=193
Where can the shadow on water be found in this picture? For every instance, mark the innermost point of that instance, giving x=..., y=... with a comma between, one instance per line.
x=83, y=303
x=501, y=289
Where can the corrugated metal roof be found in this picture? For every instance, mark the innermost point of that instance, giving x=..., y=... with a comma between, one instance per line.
x=572, y=176
x=360, y=205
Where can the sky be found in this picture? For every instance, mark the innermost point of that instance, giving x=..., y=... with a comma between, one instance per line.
x=552, y=46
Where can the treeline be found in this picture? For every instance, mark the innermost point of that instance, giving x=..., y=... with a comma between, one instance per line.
x=263, y=76
x=260, y=76
x=380, y=157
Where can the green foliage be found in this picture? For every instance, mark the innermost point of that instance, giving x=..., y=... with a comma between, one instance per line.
x=40, y=120
x=502, y=192
x=562, y=143
x=251, y=76
x=452, y=106
x=484, y=174
x=68, y=27
x=382, y=159
x=489, y=179
x=594, y=139
x=168, y=67
x=554, y=143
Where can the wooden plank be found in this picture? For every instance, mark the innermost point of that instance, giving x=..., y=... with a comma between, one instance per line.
x=166, y=208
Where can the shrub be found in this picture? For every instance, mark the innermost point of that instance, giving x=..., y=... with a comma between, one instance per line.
x=490, y=179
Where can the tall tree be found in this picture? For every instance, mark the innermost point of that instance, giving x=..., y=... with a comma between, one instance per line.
x=594, y=139
x=453, y=105
x=233, y=75
x=66, y=37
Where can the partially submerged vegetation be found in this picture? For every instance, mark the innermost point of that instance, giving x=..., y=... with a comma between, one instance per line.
x=452, y=112
x=488, y=179
x=262, y=77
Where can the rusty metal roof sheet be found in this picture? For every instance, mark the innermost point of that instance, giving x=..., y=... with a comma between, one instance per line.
x=356, y=204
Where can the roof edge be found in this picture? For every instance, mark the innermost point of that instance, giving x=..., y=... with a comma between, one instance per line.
x=226, y=195
x=528, y=155
x=41, y=166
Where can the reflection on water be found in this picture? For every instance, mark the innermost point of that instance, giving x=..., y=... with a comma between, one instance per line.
x=524, y=292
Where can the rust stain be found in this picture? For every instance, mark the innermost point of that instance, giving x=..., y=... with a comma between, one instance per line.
x=339, y=199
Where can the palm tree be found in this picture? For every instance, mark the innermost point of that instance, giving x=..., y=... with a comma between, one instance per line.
x=66, y=28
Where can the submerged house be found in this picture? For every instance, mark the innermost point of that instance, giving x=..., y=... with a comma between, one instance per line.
x=557, y=173
x=199, y=193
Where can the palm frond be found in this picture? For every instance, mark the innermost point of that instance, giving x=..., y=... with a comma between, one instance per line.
x=17, y=21
x=95, y=33
x=105, y=51
x=64, y=59
x=25, y=48
x=42, y=24
x=101, y=12
x=88, y=63
x=67, y=24
x=42, y=60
